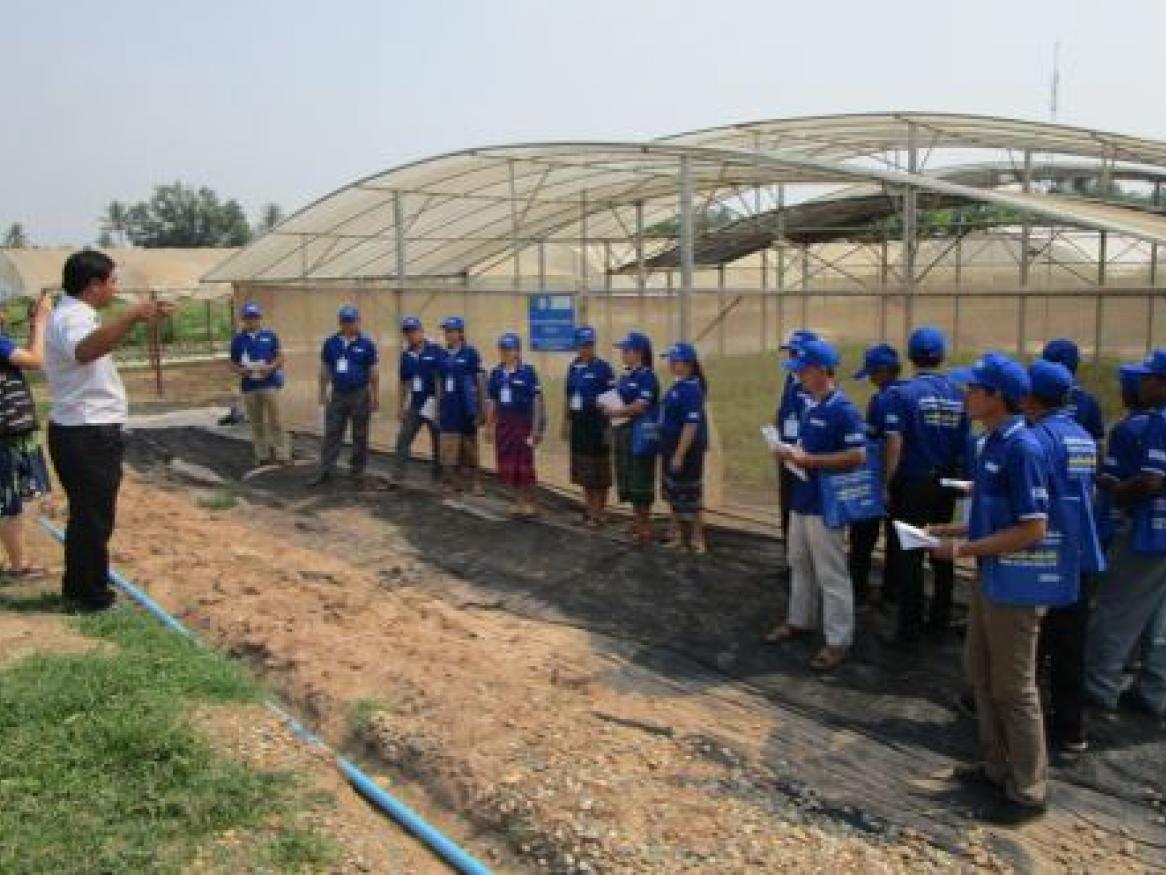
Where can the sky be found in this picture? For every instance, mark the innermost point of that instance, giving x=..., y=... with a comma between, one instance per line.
x=286, y=100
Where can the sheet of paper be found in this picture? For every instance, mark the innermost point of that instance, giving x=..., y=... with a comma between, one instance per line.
x=429, y=409
x=773, y=440
x=964, y=486
x=913, y=538
x=609, y=400
x=797, y=471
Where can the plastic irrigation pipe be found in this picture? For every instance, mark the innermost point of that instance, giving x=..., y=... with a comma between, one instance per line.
x=445, y=848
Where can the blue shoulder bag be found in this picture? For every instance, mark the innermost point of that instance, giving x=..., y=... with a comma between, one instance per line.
x=646, y=432
x=852, y=496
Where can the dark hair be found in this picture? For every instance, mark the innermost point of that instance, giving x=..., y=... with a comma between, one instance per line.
x=926, y=360
x=82, y=268
x=647, y=360
x=698, y=372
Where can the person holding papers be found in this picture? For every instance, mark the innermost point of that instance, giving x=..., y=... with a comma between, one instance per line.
x=1009, y=519
x=349, y=391
x=830, y=437
x=790, y=407
x=683, y=444
x=516, y=420
x=257, y=358
x=420, y=360
x=1072, y=456
x=634, y=415
x=461, y=390
x=586, y=429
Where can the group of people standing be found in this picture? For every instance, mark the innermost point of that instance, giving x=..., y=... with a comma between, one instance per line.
x=1069, y=543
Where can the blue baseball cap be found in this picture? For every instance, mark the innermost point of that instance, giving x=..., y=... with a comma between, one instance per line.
x=634, y=341
x=251, y=311
x=996, y=371
x=881, y=355
x=1063, y=351
x=681, y=352
x=813, y=353
x=348, y=313
x=927, y=344
x=1050, y=381
x=799, y=336
x=509, y=340
x=584, y=336
x=453, y=323
x=410, y=323
x=1154, y=365
x=1130, y=378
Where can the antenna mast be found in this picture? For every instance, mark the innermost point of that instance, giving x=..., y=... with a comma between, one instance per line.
x=1055, y=88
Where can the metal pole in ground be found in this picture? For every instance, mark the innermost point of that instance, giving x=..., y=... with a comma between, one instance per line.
x=687, y=260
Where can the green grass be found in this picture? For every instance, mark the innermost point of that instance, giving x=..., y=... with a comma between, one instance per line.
x=224, y=498
x=101, y=769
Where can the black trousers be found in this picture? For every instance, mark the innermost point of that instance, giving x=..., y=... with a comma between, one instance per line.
x=785, y=496
x=88, y=461
x=919, y=502
x=354, y=406
x=1062, y=651
x=864, y=537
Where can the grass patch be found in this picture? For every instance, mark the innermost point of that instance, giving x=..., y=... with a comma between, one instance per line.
x=224, y=498
x=101, y=770
x=36, y=603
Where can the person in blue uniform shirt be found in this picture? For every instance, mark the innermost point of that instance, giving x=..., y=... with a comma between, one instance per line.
x=683, y=444
x=257, y=359
x=1130, y=601
x=1123, y=455
x=349, y=392
x=639, y=398
x=461, y=394
x=516, y=420
x=831, y=437
x=417, y=372
x=881, y=366
x=1082, y=406
x=1009, y=518
x=1072, y=454
x=585, y=428
x=926, y=440
x=790, y=406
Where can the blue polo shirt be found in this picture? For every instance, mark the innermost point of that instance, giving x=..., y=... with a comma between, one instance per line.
x=1123, y=452
x=419, y=369
x=928, y=411
x=684, y=404
x=458, y=373
x=1072, y=455
x=349, y=361
x=639, y=384
x=258, y=346
x=586, y=381
x=1012, y=475
x=1083, y=407
x=8, y=346
x=876, y=412
x=514, y=390
x=827, y=426
x=790, y=407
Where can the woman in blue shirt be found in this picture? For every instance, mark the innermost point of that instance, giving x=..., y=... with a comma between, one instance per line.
x=586, y=428
x=517, y=417
x=683, y=443
x=639, y=397
x=460, y=391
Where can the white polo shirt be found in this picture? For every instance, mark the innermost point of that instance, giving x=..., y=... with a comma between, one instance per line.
x=90, y=394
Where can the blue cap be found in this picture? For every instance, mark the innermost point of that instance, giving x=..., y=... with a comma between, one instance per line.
x=813, y=353
x=348, y=313
x=881, y=355
x=509, y=340
x=410, y=323
x=1130, y=377
x=1064, y=352
x=1050, y=381
x=634, y=341
x=1153, y=365
x=453, y=323
x=251, y=311
x=584, y=336
x=681, y=352
x=996, y=371
x=799, y=336
x=927, y=344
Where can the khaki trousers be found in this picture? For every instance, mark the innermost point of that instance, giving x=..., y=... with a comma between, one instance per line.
x=819, y=574
x=268, y=439
x=1000, y=660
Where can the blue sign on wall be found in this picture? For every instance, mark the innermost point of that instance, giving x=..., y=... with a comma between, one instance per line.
x=552, y=323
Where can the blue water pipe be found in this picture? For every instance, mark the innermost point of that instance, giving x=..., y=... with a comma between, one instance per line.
x=444, y=847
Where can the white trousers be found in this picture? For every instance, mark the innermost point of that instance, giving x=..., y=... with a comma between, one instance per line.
x=818, y=571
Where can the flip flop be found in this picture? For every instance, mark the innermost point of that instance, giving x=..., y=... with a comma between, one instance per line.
x=784, y=632
x=829, y=658
x=28, y=572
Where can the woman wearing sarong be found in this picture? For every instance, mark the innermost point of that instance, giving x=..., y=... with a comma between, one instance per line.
x=586, y=428
x=516, y=419
x=635, y=468
x=683, y=443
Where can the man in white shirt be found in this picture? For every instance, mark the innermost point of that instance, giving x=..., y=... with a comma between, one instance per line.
x=89, y=409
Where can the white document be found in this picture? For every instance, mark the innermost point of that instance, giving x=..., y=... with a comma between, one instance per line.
x=913, y=538
x=776, y=444
x=429, y=409
x=964, y=486
x=610, y=400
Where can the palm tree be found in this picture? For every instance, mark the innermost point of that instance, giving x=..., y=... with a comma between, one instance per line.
x=114, y=221
x=271, y=216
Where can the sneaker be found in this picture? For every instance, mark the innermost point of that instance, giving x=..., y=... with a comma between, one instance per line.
x=1009, y=812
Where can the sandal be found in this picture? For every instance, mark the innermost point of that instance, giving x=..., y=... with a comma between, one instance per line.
x=784, y=632
x=829, y=658
x=700, y=548
x=28, y=572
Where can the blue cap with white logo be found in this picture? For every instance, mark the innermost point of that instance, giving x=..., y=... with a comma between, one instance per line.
x=634, y=341
x=927, y=344
x=881, y=355
x=681, y=352
x=584, y=336
x=453, y=323
x=799, y=336
x=1050, y=381
x=995, y=371
x=251, y=311
x=509, y=340
x=410, y=323
x=1154, y=365
x=1063, y=351
x=813, y=353
x=348, y=313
